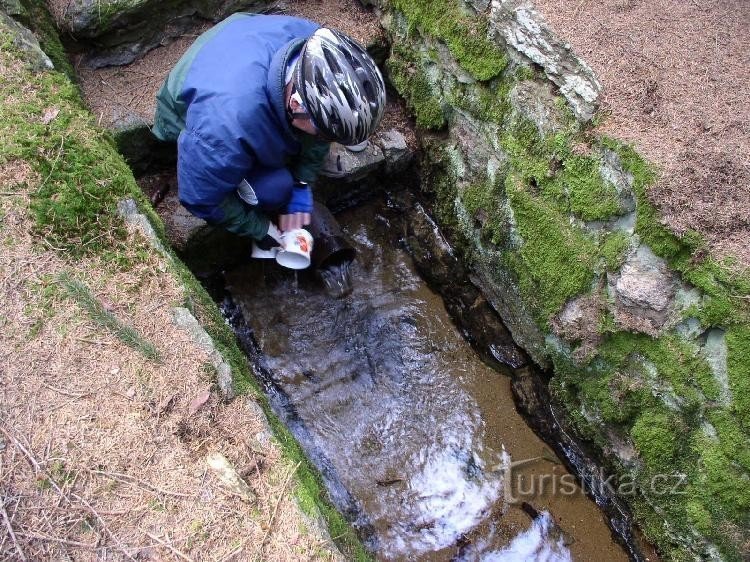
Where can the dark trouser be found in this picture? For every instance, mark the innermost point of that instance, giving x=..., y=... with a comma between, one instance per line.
x=272, y=187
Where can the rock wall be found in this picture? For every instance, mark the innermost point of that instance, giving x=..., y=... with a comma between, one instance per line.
x=119, y=31
x=647, y=335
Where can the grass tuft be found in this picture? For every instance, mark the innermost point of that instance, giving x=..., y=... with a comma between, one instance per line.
x=80, y=293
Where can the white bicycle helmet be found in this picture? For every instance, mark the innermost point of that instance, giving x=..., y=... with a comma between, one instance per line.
x=340, y=86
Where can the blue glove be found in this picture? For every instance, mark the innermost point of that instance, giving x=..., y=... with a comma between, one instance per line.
x=301, y=200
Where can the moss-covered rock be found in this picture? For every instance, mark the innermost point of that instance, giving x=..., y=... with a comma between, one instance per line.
x=555, y=224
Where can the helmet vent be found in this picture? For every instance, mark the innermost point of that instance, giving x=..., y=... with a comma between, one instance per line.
x=349, y=98
x=320, y=81
x=369, y=90
x=331, y=60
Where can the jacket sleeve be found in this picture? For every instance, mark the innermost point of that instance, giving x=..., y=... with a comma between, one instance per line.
x=208, y=174
x=306, y=165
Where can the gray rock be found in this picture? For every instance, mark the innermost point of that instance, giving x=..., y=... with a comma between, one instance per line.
x=522, y=28
x=27, y=42
x=612, y=171
x=128, y=210
x=182, y=226
x=186, y=321
x=397, y=154
x=119, y=31
x=480, y=5
x=13, y=8
x=472, y=137
x=715, y=353
x=578, y=322
x=643, y=292
x=502, y=292
x=536, y=101
x=352, y=166
x=430, y=249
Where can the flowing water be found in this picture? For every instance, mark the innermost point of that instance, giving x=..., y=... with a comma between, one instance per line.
x=417, y=439
x=337, y=279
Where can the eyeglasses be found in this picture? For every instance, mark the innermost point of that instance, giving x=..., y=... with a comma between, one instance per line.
x=303, y=114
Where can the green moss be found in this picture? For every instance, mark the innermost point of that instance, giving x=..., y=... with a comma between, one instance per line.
x=466, y=36
x=483, y=201
x=35, y=16
x=524, y=72
x=653, y=434
x=721, y=481
x=83, y=175
x=570, y=180
x=488, y=102
x=613, y=248
x=550, y=246
x=738, y=370
x=676, y=362
x=725, y=303
x=589, y=196
x=699, y=515
x=406, y=71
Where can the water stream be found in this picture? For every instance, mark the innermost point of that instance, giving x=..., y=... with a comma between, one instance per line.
x=417, y=438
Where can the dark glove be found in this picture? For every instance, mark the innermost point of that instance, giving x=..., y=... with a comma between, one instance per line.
x=301, y=200
x=271, y=240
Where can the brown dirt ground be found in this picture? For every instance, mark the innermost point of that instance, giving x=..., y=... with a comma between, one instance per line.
x=113, y=430
x=675, y=76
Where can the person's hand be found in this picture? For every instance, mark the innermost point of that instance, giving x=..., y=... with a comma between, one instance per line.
x=299, y=208
x=271, y=240
x=294, y=221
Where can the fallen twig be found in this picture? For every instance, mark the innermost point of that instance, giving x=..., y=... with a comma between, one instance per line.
x=276, y=508
x=59, y=490
x=66, y=392
x=58, y=540
x=132, y=480
x=170, y=547
x=17, y=546
x=54, y=163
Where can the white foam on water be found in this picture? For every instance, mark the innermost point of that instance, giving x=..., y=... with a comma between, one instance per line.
x=536, y=544
x=451, y=496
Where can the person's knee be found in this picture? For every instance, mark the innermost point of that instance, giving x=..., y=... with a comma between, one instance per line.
x=272, y=186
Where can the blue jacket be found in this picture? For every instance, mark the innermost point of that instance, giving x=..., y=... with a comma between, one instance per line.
x=224, y=104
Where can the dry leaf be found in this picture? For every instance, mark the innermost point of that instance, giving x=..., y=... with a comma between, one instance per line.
x=198, y=402
x=164, y=406
x=49, y=114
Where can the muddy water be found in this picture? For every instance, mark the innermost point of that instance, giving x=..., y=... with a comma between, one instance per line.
x=417, y=438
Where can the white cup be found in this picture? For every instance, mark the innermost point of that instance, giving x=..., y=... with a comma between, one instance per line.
x=296, y=246
x=263, y=254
